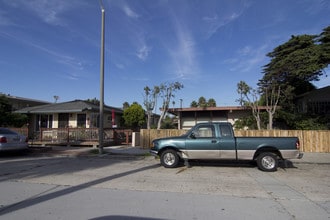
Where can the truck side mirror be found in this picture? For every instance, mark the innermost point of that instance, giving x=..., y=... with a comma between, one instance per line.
x=192, y=135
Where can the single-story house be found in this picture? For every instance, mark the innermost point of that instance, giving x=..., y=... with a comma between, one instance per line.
x=188, y=117
x=72, y=114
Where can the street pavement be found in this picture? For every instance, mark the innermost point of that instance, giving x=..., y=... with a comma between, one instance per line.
x=309, y=157
x=78, y=183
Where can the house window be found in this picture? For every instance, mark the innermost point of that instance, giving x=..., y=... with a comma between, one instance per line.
x=44, y=121
x=318, y=107
x=81, y=120
x=63, y=120
x=94, y=120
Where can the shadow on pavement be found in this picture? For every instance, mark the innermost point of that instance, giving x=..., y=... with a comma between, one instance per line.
x=123, y=217
x=283, y=164
x=42, y=198
x=27, y=164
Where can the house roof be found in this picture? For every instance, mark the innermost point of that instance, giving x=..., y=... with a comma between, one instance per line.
x=322, y=93
x=175, y=111
x=66, y=107
x=17, y=98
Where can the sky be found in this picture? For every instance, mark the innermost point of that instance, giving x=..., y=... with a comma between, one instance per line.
x=52, y=48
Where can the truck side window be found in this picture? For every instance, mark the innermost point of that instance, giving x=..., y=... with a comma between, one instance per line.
x=205, y=131
x=225, y=131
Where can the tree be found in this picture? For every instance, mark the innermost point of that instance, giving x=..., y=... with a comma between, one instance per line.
x=194, y=104
x=167, y=91
x=150, y=100
x=324, y=40
x=168, y=123
x=94, y=101
x=251, y=97
x=295, y=64
x=5, y=109
x=211, y=103
x=242, y=89
x=272, y=96
x=202, y=102
x=125, y=105
x=134, y=116
x=7, y=117
x=246, y=122
x=56, y=98
x=293, y=67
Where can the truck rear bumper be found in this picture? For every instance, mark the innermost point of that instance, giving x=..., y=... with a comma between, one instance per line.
x=292, y=154
x=300, y=155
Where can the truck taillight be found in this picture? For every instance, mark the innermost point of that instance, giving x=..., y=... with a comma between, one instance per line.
x=3, y=140
x=298, y=144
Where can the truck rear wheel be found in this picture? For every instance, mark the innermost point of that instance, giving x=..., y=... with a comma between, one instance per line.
x=169, y=158
x=267, y=161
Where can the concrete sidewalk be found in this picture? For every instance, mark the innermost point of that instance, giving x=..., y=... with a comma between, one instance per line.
x=317, y=158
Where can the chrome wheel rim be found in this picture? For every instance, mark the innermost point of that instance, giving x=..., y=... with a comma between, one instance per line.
x=169, y=159
x=268, y=162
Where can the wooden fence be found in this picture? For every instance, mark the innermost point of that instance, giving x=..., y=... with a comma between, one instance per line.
x=310, y=141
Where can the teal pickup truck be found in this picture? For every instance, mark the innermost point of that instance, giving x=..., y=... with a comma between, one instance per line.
x=216, y=141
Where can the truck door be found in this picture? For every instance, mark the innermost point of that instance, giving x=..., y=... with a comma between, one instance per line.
x=227, y=143
x=202, y=143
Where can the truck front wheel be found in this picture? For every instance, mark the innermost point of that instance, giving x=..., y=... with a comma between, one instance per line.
x=169, y=158
x=267, y=162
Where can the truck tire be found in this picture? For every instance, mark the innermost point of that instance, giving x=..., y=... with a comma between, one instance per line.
x=267, y=161
x=169, y=159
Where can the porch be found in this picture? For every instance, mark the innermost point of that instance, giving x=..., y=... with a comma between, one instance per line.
x=78, y=136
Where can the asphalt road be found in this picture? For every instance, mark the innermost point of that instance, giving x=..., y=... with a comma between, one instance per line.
x=137, y=187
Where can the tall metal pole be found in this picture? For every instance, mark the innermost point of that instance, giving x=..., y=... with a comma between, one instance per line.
x=101, y=84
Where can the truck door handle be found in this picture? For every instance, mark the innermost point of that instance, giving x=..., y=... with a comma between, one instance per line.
x=213, y=141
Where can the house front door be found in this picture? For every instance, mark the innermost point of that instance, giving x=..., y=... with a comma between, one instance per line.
x=63, y=120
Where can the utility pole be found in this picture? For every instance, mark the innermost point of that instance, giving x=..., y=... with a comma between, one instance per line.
x=101, y=83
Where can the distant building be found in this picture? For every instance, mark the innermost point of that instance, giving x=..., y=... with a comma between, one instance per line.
x=20, y=102
x=315, y=102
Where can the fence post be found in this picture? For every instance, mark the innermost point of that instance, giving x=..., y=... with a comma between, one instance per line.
x=68, y=136
x=40, y=138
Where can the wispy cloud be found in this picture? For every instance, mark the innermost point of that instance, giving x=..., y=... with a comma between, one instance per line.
x=70, y=76
x=130, y=78
x=247, y=58
x=4, y=20
x=215, y=22
x=135, y=31
x=69, y=61
x=183, y=52
x=143, y=52
x=317, y=6
x=48, y=11
x=129, y=12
